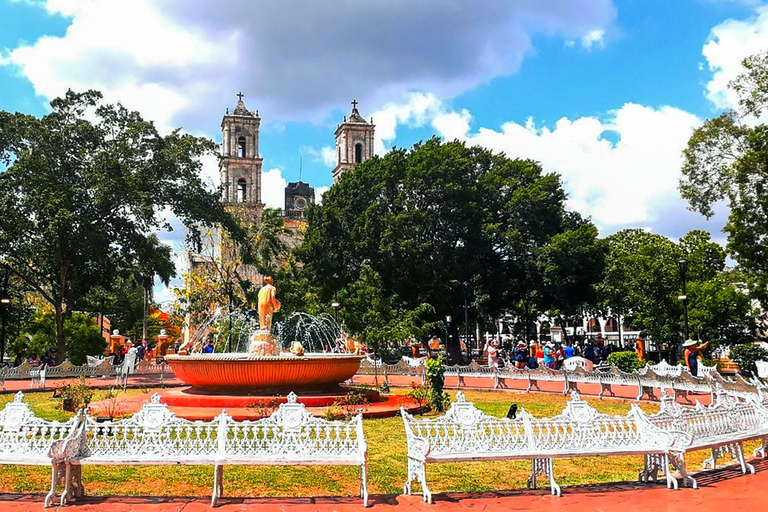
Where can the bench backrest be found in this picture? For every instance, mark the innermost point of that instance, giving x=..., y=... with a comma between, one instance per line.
x=292, y=433
x=578, y=429
x=153, y=434
x=727, y=415
x=25, y=436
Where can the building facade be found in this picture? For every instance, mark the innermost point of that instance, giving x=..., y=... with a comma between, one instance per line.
x=354, y=142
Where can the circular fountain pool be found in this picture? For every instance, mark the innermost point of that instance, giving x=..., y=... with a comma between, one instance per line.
x=252, y=372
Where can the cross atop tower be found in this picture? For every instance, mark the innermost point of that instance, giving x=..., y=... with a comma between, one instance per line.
x=240, y=96
x=354, y=104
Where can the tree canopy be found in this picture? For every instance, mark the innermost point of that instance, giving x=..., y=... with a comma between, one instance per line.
x=642, y=281
x=85, y=187
x=726, y=160
x=443, y=222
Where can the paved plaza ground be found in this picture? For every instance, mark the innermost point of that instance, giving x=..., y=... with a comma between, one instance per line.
x=724, y=490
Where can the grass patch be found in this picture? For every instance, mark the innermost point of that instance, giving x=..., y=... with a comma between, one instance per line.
x=386, y=463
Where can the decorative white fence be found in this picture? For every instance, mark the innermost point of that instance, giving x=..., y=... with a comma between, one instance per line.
x=69, y=370
x=649, y=381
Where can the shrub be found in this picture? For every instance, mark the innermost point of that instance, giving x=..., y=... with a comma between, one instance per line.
x=75, y=394
x=438, y=399
x=625, y=361
x=345, y=407
x=745, y=356
x=419, y=393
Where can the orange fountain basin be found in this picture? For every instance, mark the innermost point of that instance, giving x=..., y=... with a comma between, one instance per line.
x=246, y=371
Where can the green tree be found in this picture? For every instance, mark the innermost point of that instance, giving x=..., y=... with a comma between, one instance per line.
x=642, y=277
x=84, y=188
x=726, y=160
x=81, y=331
x=226, y=269
x=444, y=220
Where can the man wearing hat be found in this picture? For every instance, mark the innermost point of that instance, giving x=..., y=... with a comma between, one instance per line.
x=692, y=355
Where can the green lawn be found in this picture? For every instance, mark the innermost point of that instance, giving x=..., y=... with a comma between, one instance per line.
x=386, y=468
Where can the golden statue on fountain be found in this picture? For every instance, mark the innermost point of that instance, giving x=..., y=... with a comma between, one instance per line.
x=268, y=303
x=262, y=343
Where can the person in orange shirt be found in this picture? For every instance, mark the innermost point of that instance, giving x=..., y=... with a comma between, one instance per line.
x=640, y=347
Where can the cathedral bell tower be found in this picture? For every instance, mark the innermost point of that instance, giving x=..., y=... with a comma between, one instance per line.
x=240, y=164
x=354, y=142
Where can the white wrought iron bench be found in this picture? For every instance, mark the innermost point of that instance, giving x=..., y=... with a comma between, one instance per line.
x=25, y=439
x=156, y=436
x=722, y=427
x=465, y=433
x=291, y=436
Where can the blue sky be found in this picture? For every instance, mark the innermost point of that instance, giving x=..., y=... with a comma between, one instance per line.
x=603, y=92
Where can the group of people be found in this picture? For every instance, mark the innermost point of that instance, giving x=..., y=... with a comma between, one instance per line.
x=549, y=354
x=141, y=351
x=37, y=362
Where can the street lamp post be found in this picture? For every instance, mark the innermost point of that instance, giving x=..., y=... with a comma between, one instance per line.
x=5, y=302
x=683, y=264
x=229, y=334
x=466, y=323
x=335, y=305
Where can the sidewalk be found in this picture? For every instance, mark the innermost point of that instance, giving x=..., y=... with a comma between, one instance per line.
x=721, y=490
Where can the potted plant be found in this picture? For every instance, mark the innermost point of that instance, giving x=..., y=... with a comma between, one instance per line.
x=74, y=395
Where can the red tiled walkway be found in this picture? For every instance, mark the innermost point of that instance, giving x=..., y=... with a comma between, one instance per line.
x=722, y=490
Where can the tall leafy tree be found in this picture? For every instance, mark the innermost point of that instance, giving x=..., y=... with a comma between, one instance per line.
x=84, y=188
x=726, y=160
x=444, y=222
x=642, y=277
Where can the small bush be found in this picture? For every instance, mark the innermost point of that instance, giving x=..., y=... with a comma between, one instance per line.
x=438, y=399
x=745, y=356
x=266, y=407
x=75, y=394
x=625, y=361
x=420, y=394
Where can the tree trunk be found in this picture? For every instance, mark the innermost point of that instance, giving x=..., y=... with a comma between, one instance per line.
x=61, y=342
x=146, y=303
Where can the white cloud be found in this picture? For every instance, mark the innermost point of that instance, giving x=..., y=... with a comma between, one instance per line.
x=615, y=184
x=273, y=188
x=415, y=110
x=326, y=155
x=178, y=62
x=626, y=182
x=319, y=192
x=729, y=43
x=593, y=38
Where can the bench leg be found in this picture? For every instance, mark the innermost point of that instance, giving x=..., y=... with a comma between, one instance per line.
x=682, y=393
x=461, y=382
x=677, y=461
x=651, y=466
x=761, y=450
x=671, y=480
x=57, y=472
x=218, y=484
x=417, y=470
x=554, y=488
x=738, y=453
x=605, y=387
x=364, y=483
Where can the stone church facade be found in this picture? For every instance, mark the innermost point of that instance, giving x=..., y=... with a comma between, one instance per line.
x=240, y=169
